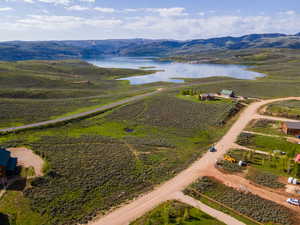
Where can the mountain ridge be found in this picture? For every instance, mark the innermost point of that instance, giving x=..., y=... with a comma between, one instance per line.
x=81, y=49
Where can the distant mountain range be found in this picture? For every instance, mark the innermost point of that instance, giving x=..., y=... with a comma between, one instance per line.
x=21, y=50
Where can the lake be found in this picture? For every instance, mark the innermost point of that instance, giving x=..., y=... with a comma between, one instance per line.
x=172, y=72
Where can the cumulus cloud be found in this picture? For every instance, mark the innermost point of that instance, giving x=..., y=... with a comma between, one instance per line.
x=77, y=8
x=289, y=12
x=168, y=23
x=56, y=2
x=169, y=12
x=105, y=10
x=46, y=22
x=4, y=9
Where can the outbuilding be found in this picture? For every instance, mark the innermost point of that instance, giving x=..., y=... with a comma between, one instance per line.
x=291, y=128
x=205, y=97
x=228, y=93
x=8, y=164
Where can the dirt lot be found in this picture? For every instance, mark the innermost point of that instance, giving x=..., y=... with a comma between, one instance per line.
x=27, y=158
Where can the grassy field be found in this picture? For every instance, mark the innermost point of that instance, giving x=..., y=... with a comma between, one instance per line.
x=66, y=80
x=34, y=91
x=100, y=162
x=15, y=112
x=268, y=144
x=69, y=74
x=248, y=204
x=265, y=126
x=268, y=165
x=287, y=109
x=176, y=213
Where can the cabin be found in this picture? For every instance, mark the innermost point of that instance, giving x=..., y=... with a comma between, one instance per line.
x=8, y=164
x=207, y=97
x=227, y=93
x=291, y=128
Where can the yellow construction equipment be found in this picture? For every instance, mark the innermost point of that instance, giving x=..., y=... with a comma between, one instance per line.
x=229, y=159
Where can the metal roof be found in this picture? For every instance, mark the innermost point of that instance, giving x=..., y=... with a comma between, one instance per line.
x=12, y=164
x=227, y=92
x=293, y=125
x=4, y=157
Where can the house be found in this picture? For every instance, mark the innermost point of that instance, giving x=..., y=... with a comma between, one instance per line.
x=291, y=128
x=297, y=158
x=204, y=97
x=7, y=163
x=228, y=93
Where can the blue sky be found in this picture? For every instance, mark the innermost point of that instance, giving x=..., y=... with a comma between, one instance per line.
x=167, y=19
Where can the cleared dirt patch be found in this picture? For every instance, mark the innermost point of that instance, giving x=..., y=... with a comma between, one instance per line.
x=27, y=158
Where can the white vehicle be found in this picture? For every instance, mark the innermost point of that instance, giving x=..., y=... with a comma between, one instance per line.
x=293, y=201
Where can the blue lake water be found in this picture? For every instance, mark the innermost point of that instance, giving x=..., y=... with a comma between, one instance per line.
x=172, y=72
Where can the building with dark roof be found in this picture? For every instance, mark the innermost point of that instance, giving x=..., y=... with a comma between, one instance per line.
x=204, y=97
x=291, y=128
x=7, y=163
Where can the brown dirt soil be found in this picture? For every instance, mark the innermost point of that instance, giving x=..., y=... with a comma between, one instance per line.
x=27, y=158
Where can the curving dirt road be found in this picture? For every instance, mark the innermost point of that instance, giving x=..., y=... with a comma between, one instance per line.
x=138, y=207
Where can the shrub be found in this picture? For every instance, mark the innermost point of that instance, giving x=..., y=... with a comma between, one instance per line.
x=257, y=208
x=264, y=178
x=230, y=167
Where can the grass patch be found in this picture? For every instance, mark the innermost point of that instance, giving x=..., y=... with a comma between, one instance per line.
x=266, y=127
x=17, y=210
x=268, y=144
x=230, y=167
x=288, y=109
x=264, y=178
x=176, y=213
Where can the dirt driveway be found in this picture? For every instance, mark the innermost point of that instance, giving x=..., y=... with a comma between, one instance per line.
x=27, y=158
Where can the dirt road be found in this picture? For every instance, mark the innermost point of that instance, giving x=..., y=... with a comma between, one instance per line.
x=258, y=116
x=129, y=212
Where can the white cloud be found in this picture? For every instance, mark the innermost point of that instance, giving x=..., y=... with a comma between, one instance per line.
x=289, y=12
x=105, y=10
x=56, y=2
x=149, y=23
x=169, y=12
x=5, y=9
x=46, y=22
x=91, y=1
x=77, y=8
x=131, y=10
x=28, y=1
